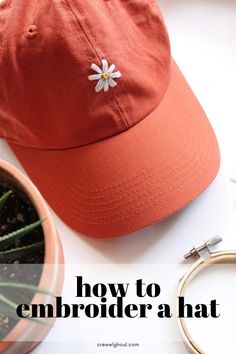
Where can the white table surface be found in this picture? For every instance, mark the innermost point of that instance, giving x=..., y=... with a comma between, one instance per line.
x=203, y=37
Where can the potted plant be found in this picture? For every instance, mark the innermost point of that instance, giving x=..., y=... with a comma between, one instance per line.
x=29, y=241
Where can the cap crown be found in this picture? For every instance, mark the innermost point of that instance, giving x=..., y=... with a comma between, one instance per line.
x=46, y=51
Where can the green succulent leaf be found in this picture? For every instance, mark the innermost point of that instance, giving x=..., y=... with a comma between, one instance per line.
x=4, y=198
x=15, y=253
x=9, y=307
x=28, y=287
x=18, y=234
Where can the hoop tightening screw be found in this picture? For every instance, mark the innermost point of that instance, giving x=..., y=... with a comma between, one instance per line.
x=196, y=251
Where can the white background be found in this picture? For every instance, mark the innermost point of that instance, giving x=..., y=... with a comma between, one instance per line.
x=203, y=37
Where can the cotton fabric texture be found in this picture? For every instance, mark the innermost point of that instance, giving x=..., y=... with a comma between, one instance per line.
x=109, y=162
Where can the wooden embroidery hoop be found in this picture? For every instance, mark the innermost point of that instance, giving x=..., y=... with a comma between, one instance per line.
x=197, y=267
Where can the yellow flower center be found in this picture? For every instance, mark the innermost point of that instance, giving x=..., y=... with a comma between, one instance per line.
x=105, y=76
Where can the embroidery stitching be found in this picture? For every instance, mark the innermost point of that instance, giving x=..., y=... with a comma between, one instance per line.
x=105, y=76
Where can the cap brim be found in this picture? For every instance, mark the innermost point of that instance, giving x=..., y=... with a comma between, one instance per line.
x=133, y=179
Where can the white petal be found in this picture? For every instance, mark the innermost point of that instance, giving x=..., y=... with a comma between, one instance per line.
x=104, y=65
x=111, y=69
x=106, y=86
x=96, y=68
x=99, y=85
x=94, y=77
x=115, y=75
x=112, y=82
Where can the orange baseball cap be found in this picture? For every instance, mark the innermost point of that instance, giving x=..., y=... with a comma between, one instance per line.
x=98, y=113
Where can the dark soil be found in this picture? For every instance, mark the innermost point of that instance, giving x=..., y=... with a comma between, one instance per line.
x=17, y=213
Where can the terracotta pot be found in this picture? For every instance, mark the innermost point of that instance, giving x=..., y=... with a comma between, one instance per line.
x=18, y=341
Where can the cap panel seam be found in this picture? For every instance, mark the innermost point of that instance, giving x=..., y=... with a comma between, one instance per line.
x=115, y=111
x=88, y=55
x=118, y=122
x=124, y=119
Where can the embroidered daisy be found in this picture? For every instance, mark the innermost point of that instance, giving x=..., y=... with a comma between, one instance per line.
x=105, y=76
